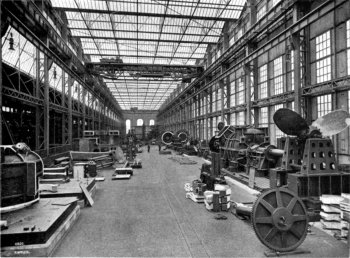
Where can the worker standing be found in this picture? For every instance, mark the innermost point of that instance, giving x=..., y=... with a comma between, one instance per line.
x=148, y=147
x=160, y=146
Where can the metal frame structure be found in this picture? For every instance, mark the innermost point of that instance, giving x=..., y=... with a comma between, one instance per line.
x=41, y=53
x=147, y=34
x=284, y=23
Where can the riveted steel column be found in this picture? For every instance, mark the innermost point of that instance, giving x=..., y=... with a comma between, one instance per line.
x=0, y=86
x=297, y=66
x=84, y=108
x=63, y=104
x=222, y=113
x=70, y=113
x=46, y=105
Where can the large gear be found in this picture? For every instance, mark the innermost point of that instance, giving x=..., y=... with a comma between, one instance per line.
x=280, y=220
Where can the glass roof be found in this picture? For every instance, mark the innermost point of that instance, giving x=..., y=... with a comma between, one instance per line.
x=169, y=32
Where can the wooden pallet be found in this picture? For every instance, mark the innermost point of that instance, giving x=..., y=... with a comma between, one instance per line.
x=121, y=177
x=194, y=197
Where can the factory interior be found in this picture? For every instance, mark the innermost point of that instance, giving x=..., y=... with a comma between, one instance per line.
x=175, y=128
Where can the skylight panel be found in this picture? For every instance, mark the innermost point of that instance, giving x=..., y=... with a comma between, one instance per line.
x=63, y=3
x=93, y=52
x=100, y=25
x=170, y=37
x=104, y=34
x=94, y=5
x=80, y=33
x=148, y=36
x=77, y=24
x=73, y=15
x=116, y=28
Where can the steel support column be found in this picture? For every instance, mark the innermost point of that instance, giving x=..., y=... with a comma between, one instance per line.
x=99, y=115
x=226, y=39
x=84, y=108
x=222, y=87
x=207, y=115
x=70, y=113
x=63, y=103
x=37, y=107
x=46, y=105
x=0, y=87
x=255, y=94
x=297, y=65
x=248, y=89
x=91, y=105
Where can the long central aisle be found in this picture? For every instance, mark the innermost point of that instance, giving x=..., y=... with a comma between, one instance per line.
x=149, y=216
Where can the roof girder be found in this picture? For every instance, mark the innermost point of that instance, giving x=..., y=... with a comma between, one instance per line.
x=85, y=10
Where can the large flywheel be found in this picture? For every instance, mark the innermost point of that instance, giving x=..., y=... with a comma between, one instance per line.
x=280, y=219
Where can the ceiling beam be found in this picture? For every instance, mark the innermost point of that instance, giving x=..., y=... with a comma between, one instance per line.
x=143, y=80
x=147, y=23
x=194, y=17
x=170, y=66
x=150, y=32
x=152, y=40
x=145, y=56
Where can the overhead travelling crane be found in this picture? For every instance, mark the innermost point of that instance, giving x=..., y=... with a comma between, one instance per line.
x=113, y=68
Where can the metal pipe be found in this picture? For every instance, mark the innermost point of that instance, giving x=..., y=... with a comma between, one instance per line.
x=276, y=152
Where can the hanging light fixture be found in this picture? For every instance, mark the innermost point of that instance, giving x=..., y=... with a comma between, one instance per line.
x=242, y=76
x=11, y=42
x=54, y=73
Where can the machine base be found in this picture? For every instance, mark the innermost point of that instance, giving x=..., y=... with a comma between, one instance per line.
x=271, y=253
x=38, y=230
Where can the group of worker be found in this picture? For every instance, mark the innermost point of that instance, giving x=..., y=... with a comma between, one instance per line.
x=149, y=146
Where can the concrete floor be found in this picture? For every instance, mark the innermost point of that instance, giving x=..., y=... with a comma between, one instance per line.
x=149, y=216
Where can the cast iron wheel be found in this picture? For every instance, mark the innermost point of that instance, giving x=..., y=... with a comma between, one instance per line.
x=280, y=220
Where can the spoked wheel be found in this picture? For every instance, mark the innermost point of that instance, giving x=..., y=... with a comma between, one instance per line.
x=280, y=219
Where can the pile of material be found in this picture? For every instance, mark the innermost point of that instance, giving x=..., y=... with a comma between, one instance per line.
x=59, y=174
x=102, y=159
x=334, y=209
x=62, y=162
x=136, y=163
x=345, y=214
x=164, y=152
x=122, y=173
x=219, y=199
x=183, y=160
x=195, y=191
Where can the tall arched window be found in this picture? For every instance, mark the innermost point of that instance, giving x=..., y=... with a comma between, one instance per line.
x=139, y=122
x=128, y=125
x=151, y=122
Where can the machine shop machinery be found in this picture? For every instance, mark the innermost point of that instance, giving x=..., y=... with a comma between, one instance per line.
x=308, y=169
x=20, y=172
x=130, y=150
x=167, y=138
x=180, y=141
x=239, y=149
x=97, y=141
x=175, y=139
x=308, y=165
x=243, y=147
